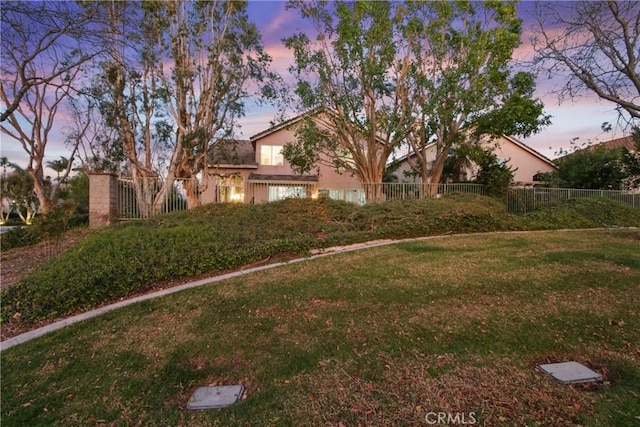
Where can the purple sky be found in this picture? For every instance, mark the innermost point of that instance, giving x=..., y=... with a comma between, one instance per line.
x=569, y=120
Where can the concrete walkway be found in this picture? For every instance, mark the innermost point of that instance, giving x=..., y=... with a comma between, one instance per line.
x=318, y=253
x=27, y=336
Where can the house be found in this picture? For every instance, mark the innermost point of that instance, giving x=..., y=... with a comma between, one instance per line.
x=526, y=161
x=254, y=171
x=624, y=142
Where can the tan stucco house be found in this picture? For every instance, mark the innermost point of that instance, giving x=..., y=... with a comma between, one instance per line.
x=254, y=171
x=527, y=161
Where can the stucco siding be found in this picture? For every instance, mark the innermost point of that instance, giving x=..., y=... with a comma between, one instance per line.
x=526, y=162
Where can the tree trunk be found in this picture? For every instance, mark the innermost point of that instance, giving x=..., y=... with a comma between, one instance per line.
x=192, y=189
x=430, y=182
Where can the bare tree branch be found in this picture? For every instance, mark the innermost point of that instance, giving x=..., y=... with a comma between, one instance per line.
x=596, y=45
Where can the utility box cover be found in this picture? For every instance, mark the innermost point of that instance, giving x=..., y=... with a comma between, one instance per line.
x=215, y=397
x=571, y=373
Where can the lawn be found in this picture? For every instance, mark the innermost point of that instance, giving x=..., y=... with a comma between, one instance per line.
x=383, y=336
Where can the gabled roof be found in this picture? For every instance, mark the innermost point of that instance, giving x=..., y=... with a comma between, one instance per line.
x=530, y=150
x=285, y=124
x=233, y=152
x=511, y=139
x=295, y=120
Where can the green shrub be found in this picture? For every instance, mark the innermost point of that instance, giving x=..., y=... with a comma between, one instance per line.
x=586, y=212
x=50, y=227
x=18, y=237
x=131, y=258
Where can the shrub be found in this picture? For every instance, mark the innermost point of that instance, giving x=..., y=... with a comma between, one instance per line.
x=133, y=257
x=18, y=237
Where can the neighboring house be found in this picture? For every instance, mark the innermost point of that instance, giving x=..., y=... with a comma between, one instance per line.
x=526, y=161
x=624, y=142
x=255, y=171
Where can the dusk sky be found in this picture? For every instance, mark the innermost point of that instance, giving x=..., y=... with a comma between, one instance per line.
x=582, y=118
x=569, y=120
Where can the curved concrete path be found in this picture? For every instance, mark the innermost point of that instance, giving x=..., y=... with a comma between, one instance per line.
x=318, y=253
x=27, y=336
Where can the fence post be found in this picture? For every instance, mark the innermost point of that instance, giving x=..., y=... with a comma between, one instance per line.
x=103, y=199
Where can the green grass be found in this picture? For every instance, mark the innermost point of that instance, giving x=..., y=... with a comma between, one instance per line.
x=375, y=337
x=133, y=258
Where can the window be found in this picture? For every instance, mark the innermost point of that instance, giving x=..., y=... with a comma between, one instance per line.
x=231, y=190
x=356, y=196
x=278, y=192
x=271, y=155
x=331, y=194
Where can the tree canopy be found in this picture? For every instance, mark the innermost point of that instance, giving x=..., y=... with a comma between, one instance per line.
x=598, y=167
x=185, y=89
x=350, y=74
x=462, y=88
x=416, y=73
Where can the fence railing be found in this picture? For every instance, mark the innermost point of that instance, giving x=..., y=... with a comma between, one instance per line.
x=365, y=194
x=143, y=198
x=418, y=191
x=139, y=199
x=527, y=199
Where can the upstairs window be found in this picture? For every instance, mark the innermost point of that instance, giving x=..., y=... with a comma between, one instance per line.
x=271, y=155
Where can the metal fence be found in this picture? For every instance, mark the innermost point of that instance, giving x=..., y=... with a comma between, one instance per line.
x=142, y=198
x=523, y=200
x=418, y=191
x=365, y=194
x=139, y=199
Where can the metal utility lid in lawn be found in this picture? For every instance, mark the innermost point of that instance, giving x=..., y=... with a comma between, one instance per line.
x=215, y=397
x=571, y=373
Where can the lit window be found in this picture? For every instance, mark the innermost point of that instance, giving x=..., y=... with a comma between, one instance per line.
x=331, y=194
x=271, y=155
x=281, y=192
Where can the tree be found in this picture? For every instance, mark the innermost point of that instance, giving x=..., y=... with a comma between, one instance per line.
x=593, y=168
x=79, y=192
x=20, y=194
x=42, y=42
x=461, y=89
x=460, y=161
x=494, y=174
x=99, y=149
x=595, y=45
x=5, y=209
x=32, y=124
x=214, y=52
x=59, y=166
x=631, y=164
x=350, y=76
x=43, y=52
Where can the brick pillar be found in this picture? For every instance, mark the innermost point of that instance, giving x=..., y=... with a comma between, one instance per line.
x=103, y=199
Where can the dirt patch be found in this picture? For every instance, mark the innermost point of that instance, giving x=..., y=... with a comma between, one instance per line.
x=21, y=261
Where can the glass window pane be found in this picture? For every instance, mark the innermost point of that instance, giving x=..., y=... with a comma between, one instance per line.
x=277, y=159
x=265, y=155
